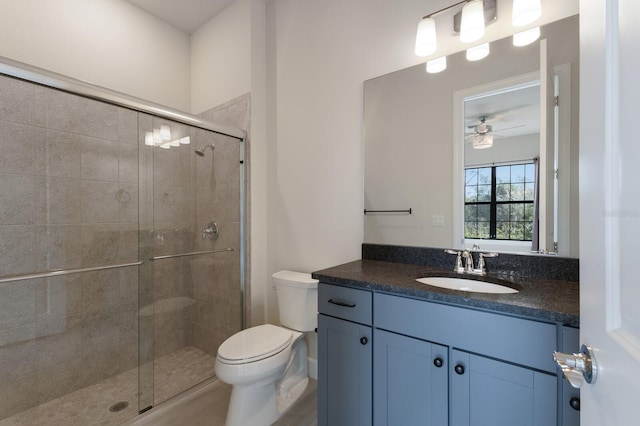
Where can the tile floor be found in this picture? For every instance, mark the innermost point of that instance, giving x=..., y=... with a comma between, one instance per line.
x=173, y=373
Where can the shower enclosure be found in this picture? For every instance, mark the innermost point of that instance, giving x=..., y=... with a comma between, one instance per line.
x=121, y=250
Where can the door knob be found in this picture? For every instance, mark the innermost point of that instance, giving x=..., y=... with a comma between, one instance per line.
x=579, y=367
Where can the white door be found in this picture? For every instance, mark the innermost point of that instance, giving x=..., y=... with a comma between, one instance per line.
x=610, y=208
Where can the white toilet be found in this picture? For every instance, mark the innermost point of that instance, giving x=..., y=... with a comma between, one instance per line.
x=267, y=364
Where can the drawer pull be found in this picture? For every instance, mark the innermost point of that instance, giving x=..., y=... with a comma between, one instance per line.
x=438, y=362
x=344, y=304
x=459, y=369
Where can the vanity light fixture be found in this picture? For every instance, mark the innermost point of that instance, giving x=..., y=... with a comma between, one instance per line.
x=478, y=52
x=148, y=139
x=185, y=141
x=525, y=12
x=165, y=133
x=526, y=37
x=437, y=65
x=470, y=24
x=426, y=41
x=472, y=21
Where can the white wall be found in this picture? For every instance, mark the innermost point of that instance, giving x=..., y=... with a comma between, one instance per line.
x=322, y=53
x=221, y=57
x=110, y=43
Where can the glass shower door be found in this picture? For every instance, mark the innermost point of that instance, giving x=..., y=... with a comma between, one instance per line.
x=190, y=240
x=68, y=258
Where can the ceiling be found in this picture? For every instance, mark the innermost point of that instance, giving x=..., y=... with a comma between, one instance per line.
x=187, y=15
x=511, y=113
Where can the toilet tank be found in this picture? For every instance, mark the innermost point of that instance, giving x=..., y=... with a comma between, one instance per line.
x=297, y=300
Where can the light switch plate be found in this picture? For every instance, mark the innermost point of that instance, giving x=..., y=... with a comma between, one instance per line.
x=437, y=220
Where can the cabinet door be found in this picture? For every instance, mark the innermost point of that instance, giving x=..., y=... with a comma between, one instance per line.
x=344, y=372
x=490, y=392
x=410, y=381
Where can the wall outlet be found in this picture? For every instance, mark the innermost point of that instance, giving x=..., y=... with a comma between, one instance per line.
x=437, y=220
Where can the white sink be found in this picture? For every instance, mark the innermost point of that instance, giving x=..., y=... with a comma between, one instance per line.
x=471, y=285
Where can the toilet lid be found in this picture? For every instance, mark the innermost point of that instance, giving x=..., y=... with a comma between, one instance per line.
x=254, y=344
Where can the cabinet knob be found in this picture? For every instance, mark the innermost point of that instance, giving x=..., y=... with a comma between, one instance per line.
x=363, y=340
x=438, y=362
x=575, y=403
x=459, y=369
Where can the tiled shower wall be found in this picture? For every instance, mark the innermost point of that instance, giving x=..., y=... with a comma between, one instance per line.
x=216, y=290
x=68, y=199
x=69, y=190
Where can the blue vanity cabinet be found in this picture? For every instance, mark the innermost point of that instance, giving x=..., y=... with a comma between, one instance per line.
x=500, y=369
x=485, y=391
x=345, y=344
x=411, y=383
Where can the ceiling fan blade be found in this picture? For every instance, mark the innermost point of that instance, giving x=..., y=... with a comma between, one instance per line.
x=508, y=128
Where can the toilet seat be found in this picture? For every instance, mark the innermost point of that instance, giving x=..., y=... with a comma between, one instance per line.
x=254, y=344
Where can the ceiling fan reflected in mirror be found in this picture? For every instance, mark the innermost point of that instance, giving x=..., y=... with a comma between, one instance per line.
x=483, y=133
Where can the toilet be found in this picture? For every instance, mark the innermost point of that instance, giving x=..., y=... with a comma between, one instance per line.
x=267, y=364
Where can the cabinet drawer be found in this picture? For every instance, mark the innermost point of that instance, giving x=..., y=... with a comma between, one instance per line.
x=516, y=340
x=346, y=303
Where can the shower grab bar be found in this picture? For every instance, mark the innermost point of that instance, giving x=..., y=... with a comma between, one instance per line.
x=64, y=272
x=193, y=253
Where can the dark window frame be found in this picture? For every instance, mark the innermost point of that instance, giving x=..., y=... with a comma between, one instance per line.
x=494, y=204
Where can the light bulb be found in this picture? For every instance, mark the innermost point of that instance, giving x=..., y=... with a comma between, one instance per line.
x=148, y=139
x=478, y=52
x=175, y=143
x=525, y=12
x=426, y=41
x=165, y=146
x=185, y=141
x=165, y=133
x=472, y=21
x=526, y=37
x=482, y=141
x=437, y=65
x=156, y=136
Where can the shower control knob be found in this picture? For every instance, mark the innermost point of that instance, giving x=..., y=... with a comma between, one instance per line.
x=212, y=231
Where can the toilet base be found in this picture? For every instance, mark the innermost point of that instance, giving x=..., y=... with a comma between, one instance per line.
x=262, y=403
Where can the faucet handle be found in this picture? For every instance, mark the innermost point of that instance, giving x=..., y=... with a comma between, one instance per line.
x=481, y=270
x=489, y=254
x=458, y=268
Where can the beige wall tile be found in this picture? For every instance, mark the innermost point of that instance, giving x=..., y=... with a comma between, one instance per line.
x=18, y=143
x=99, y=159
x=16, y=100
x=57, y=200
x=59, y=155
x=17, y=195
x=16, y=250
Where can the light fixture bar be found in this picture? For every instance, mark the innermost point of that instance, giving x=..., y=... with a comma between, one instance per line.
x=431, y=15
x=490, y=15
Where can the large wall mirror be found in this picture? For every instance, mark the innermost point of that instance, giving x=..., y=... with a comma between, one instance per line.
x=484, y=153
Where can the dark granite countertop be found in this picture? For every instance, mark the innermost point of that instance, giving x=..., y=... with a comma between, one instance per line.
x=540, y=299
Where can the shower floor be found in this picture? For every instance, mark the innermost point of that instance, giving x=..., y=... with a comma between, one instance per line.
x=173, y=374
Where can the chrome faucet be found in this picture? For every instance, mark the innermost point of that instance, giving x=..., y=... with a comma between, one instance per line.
x=468, y=264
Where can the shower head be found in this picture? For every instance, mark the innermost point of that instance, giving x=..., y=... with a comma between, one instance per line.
x=201, y=151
